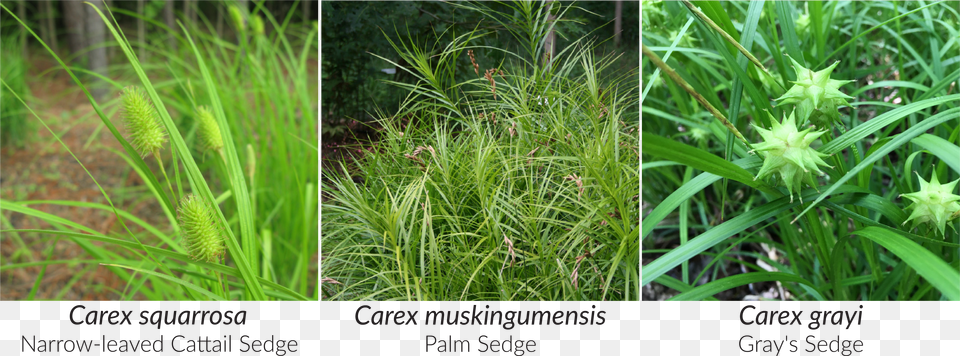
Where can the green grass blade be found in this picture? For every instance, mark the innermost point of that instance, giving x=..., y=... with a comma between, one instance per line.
x=674, y=151
x=940, y=274
x=176, y=280
x=947, y=151
x=900, y=139
x=720, y=285
x=863, y=130
x=686, y=191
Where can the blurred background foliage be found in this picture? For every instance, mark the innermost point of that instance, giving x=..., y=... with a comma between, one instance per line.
x=352, y=78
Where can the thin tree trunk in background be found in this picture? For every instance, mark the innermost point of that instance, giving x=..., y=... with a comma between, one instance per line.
x=141, y=32
x=617, y=23
x=48, y=31
x=73, y=16
x=551, y=37
x=97, y=57
x=22, y=14
x=220, y=21
x=188, y=13
x=168, y=20
x=306, y=12
x=112, y=51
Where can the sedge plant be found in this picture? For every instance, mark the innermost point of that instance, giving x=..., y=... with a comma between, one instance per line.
x=206, y=124
x=799, y=155
x=515, y=183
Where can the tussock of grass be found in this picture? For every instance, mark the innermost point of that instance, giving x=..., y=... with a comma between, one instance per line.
x=519, y=184
x=257, y=96
x=893, y=112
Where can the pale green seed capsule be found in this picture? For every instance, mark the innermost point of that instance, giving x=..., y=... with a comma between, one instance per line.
x=256, y=25
x=237, y=18
x=209, y=132
x=934, y=203
x=788, y=154
x=201, y=236
x=143, y=128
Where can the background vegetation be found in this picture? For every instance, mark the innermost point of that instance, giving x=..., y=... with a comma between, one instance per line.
x=85, y=217
x=711, y=231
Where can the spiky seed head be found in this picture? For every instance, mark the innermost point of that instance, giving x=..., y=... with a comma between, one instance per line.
x=934, y=203
x=816, y=95
x=140, y=118
x=256, y=25
x=788, y=153
x=685, y=41
x=201, y=236
x=237, y=18
x=209, y=134
x=803, y=22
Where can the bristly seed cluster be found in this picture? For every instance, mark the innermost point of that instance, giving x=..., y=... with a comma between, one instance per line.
x=788, y=154
x=201, y=236
x=209, y=134
x=934, y=203
x=143, y=126
x=816, y=95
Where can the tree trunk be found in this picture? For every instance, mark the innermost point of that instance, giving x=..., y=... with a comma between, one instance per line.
x=188, y=13
x=617, y=23
x=306, y=12
x=220, y=21
x=112, y=50
x=48, y=31
x=168, y=20
x=548, y=45
x=97, y=57
x=141, y=32
x=73, y=16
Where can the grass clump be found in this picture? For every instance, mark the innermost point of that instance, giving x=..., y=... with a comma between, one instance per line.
x=251, y=101
x=518, y=183
x=885, y=108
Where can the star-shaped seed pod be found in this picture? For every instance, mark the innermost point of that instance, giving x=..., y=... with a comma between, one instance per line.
x=788, y=154
x=816, y=95
x=934, y=203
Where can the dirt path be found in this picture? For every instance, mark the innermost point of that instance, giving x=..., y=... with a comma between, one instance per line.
x=44, y=170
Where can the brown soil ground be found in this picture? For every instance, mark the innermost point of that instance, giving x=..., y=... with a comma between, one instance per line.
x=44, y=170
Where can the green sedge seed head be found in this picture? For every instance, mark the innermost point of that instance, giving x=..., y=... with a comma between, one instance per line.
x=934, y=203
x=685, y=41
x=201, y=236
x=816, y=95
x=143, y=128
x=237, y=18
x=209, y=134
x=803, y=23
x=256, y=25
x=788, y=154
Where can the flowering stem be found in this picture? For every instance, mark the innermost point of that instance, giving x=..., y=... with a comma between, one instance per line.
x=156, y=154
x=726, y=36
x=700, y=99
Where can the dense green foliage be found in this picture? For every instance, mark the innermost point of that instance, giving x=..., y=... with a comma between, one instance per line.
x=260, y=185
x=15, y=127
x=352, y=31
x=516, y=183
x=711, y=229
